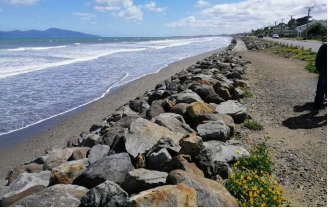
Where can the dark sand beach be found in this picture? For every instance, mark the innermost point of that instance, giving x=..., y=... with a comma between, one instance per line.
x=32, y=142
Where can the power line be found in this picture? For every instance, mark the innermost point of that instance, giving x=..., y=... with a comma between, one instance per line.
x=307, y=21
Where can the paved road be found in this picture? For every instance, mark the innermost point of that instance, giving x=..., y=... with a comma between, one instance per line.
x=315, y=45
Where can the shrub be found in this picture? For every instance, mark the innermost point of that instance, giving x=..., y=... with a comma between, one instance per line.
x=252, y=184
x=311, y=67
x=253, y=125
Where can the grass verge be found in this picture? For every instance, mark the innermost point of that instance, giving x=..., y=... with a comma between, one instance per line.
x=252, y=183
x=253, y=125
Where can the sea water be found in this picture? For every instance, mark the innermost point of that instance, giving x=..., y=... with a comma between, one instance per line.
x=44, y=78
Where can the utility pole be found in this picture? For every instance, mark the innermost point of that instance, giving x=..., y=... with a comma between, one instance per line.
x=282, y=21
x=291, y=17
x=307, y=21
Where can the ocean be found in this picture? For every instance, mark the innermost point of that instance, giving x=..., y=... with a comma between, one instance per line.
x=41, y=79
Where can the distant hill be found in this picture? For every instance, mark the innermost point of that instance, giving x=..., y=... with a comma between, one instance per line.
x=50, y=33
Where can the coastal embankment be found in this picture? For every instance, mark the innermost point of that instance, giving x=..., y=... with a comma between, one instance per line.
x=216, y=133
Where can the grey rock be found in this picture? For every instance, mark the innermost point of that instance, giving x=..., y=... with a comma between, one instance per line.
x=166, y=143
x=154, y=111
x=90, y=140
x=107, y=194
x=142, y=135
x=187, y=97
x=191, y=145
x=97, y=152
x=203, y=90
x=238, y=94
x=173, y=122
x=139, y=106
x=179, y=108
x=79, y=153
x=113, y=168
x=26, y=184
x=55, y=196
x=139, y=180
x=215, y=158
x=209, y=193
x=156, y=159
x=28, y=168
x=214, y=130
x=57, y=157
x=234, y=109
x=75, y=141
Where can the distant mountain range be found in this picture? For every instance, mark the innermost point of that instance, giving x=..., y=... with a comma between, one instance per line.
x=50, y=33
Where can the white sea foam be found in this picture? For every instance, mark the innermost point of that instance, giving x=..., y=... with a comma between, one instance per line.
x=77, y=43
x=34, y=48
x=28, y=69
x=62, y=113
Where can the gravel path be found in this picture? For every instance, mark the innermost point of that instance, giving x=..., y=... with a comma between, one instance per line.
x=283, y=97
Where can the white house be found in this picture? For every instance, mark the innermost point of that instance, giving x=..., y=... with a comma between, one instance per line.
x=301, y=29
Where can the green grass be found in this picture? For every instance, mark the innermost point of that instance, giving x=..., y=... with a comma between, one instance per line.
x=297, y=53
x=253, y=125
x=252, y=183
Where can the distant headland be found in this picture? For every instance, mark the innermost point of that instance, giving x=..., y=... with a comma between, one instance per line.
x=50, y=33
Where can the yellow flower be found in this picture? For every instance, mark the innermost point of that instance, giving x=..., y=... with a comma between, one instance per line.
x=274, y=182
x=244, y=181
x=275, y=198
x=263, y=196
x=250, y=194
x=256, y=176
x=270, y=189
x=278, y=192
x=242, y=177
x=251, y=200
x=254, y=188
x=246, y=187
x=270, y=177
x=261, y=189
x=255, y=195
x=258, y=156
x=268, y=158
x=249, y=178
x=235, y=168
x=262, y=171
x=244, y=204
x=258, y=191
x=237, y=152
x=248, y=171
x=232, y=176
x=279, y=201
x=274, y=192
x=254, y=156
x=263, y=204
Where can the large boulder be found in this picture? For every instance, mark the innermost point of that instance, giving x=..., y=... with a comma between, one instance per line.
x=139, y=180
x=198, y=108
x=205, y=118
x=188, y=97
x=79, y=153
x=57, y=157
x=139, y=106
x=29, y=168
x=182, y=162
x=191, y=144
x=156, y=159
x=98, y=152
x=214, y=130
x=180, y=108
x=154, y=111
x=60, y=195
x=234, y=109
x=166, y=196
x=173, y=122
x=209, y=193
x=166, y=143
x=67, y=172
x=113, y=168
x=142, y=135
x=107, y=194
x=215, y=158
x=204, y=91
x=90, y=140
x=26, y=184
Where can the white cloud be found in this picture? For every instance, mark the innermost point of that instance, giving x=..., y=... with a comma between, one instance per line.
x=22, y=2
x=85, y=16
x=249, y=14
x=111, y=5
x=202, y=3
x=151, y=6
x=132, y=13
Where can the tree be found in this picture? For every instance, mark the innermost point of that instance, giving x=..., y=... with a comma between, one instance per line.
x=302, y=21
x=317, y=29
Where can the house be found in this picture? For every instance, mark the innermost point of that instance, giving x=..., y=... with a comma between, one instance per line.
x=301, y=29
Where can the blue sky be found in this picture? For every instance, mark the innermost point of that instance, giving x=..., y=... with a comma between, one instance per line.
x=115, y=18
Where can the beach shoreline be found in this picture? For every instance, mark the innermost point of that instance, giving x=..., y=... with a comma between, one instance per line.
x=56, y=132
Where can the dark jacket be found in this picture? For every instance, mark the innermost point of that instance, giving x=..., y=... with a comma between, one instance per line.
x=321, y=61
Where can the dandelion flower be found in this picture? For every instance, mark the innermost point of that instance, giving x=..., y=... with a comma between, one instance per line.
x=263, y=204
x=250, y=194
x=237, y=152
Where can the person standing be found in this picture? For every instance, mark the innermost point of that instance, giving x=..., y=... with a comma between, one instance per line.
x=321, y=65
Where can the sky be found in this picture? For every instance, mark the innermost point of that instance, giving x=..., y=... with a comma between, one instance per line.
x=156, y=18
